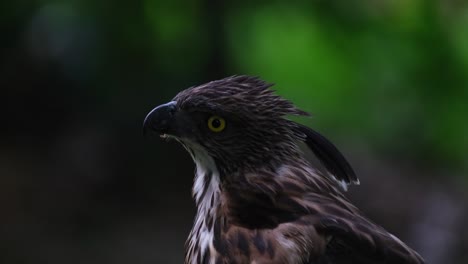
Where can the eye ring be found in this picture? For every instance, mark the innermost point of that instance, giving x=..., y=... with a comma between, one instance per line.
x=216, y=124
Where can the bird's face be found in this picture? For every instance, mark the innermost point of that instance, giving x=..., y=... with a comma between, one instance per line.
x=211, y=129
x=238, y=121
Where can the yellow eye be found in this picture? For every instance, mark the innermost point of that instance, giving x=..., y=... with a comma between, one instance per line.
x=216, y=124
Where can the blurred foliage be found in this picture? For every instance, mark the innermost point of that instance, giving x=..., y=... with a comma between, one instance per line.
x=387, y=71
x=382, y=71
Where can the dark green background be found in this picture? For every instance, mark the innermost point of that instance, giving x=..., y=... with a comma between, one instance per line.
x=387, y=81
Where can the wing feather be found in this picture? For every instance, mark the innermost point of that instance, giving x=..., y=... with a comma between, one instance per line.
x=357, y=240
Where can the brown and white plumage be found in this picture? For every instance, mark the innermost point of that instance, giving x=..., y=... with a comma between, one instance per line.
x=258, y=199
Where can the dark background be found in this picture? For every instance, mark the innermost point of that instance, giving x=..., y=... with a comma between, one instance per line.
x=385, y=80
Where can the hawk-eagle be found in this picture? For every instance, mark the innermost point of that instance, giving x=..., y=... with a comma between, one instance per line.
x=259, y=200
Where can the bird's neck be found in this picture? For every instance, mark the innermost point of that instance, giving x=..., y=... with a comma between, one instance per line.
x=206, y=192
x=206, y=187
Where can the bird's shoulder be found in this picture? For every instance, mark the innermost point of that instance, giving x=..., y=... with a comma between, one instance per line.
x=299, y=216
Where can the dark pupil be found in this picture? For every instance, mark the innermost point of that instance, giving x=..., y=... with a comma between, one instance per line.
x=216, y=123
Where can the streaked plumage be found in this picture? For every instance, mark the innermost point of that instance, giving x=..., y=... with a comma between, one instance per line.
x=258, y=199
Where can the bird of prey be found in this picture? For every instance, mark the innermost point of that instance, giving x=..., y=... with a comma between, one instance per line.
x=259, y=200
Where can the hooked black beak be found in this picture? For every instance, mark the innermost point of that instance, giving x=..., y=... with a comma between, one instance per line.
x=159, y=119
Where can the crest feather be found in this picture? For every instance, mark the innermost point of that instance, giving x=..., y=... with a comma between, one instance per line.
x=238, y=93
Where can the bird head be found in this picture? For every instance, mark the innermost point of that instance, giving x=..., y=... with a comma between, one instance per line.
x=239, y=123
